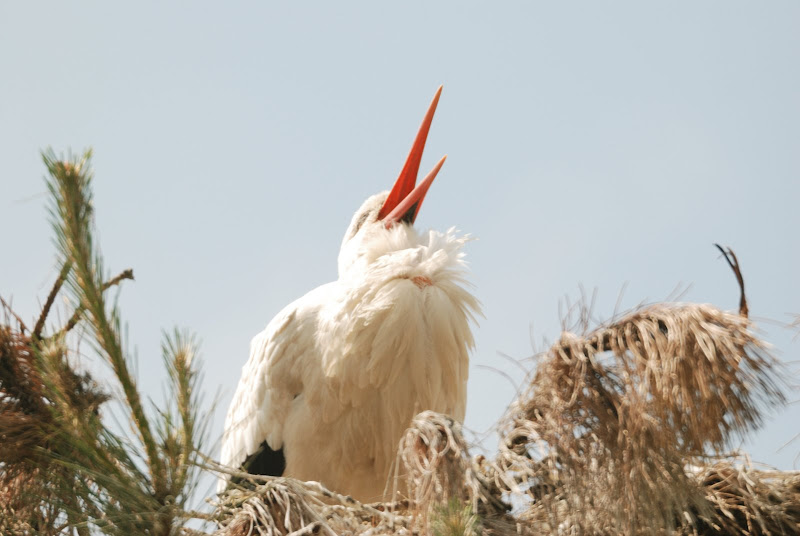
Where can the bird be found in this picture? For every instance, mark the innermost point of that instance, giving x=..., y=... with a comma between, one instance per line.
x=335, y=379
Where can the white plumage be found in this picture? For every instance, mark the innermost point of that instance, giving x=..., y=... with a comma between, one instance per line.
x=336, y=377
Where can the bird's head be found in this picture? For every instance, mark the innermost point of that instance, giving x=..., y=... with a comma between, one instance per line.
x=385, y=221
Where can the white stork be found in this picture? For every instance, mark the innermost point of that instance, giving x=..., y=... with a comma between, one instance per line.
x=336, y=377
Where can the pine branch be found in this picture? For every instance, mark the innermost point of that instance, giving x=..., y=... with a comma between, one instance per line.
x=117, y=487
x=70, y=187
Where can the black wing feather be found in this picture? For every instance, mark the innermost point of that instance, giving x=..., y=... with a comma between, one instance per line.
x=264, y=461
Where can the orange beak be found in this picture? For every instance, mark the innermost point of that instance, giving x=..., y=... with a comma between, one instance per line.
x=405, y=199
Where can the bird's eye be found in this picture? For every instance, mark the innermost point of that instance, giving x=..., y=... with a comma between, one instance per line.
x=360, y=222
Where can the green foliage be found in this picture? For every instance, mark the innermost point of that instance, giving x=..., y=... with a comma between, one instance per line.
x=120, y=478
x=455, y=519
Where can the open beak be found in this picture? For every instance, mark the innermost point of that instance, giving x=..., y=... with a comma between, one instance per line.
x=405, y=199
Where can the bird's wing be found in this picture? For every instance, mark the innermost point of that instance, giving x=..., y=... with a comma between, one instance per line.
x=280, y=357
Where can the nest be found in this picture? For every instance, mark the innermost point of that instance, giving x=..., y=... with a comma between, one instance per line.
x=621, y=430
x=434, y=469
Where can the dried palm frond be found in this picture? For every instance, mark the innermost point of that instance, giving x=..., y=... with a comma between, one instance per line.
x=747, y=501
x=600, y=440
x=443, y=482
x=434, y=459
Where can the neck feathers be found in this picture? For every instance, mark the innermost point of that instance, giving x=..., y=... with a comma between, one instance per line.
x=387, y=332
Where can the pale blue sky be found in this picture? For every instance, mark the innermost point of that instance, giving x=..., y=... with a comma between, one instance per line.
x=589, y=144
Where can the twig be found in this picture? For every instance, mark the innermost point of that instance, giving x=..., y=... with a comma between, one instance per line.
x=733, y=262
x=8, y=308
x=125, y=274
x=37, y=329
x=311, y=528
x=76, y=316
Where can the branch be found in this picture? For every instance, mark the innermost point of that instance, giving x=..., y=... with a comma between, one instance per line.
x=733, y=262
x=125, y=274
x=37, y=329
x=76, y=316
